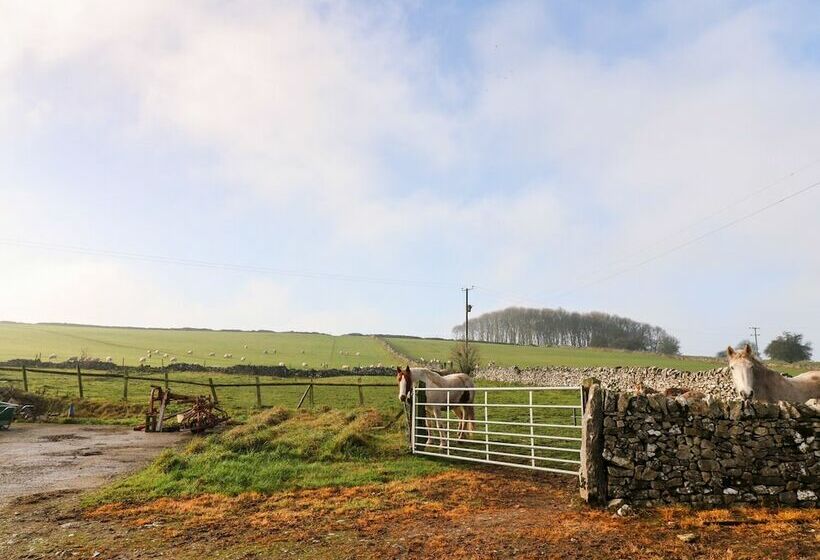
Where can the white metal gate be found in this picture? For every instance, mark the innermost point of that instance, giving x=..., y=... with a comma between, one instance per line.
x=536, y=428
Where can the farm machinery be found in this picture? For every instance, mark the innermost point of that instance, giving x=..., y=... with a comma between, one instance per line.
x=203, y=413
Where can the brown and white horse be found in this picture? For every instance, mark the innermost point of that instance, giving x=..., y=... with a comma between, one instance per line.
x=753, y=380
x=459, y=388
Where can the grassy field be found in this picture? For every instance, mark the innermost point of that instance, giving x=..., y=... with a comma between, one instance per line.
x=126, y=345
x=530, y=356
x=239, y=402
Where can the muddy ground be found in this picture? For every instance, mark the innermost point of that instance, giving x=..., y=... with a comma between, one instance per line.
x=44, y=458
x=475, y=513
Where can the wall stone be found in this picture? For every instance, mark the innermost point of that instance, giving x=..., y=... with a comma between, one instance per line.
x=709, y=452
x=716, y=382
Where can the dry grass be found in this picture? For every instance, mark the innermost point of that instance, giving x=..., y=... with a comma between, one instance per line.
x=468, y=514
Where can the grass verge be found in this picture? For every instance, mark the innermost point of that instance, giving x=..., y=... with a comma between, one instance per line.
x=275, y=450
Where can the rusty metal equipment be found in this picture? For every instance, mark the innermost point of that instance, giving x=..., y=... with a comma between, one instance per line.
x=203, y=414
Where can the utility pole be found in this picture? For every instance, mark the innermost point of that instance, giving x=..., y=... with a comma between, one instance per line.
x=467, y=309
x=754, y=332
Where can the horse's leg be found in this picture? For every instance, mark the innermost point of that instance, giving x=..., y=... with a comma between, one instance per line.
x=459, y=412
x=429, y=413
x=434, y=427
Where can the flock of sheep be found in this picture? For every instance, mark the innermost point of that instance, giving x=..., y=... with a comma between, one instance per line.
x=171, y=359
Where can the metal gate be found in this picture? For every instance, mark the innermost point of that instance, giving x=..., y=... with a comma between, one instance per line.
x=536, y=428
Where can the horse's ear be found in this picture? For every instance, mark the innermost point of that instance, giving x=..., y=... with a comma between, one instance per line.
x=408, y=369
x=747, y=350
x=730, y=351
x=398, y=369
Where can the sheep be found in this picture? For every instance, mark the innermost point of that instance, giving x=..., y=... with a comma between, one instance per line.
x=52, y=357
x=345, y=366
x=304, y=364
x=108, y=359
x=229, y=355
x=211, y=353
x=281, y=364
x=172, y=359
x=246, y=347
x=358, y=353
x=242, y=358
x=165, y=355
x=142, y=359
x=189, y=352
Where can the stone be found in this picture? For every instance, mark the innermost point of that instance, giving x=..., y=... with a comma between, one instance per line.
x=615, y=505
x=806, y=495
x=688, y=537
x=730, y=492
x=625, y=511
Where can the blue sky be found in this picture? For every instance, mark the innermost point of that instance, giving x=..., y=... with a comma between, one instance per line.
x=541, y=151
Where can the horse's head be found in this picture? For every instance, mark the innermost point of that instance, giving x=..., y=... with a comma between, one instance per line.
x=405, y=380
x=742, y=362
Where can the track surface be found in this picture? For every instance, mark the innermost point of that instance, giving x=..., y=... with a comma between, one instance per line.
x=44, y=458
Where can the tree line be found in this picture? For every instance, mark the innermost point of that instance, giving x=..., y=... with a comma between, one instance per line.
x=558, y=327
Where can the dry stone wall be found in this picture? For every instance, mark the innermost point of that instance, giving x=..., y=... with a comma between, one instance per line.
x=716, y=382
x=708, y=452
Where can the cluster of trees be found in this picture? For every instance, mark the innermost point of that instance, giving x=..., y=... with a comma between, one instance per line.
x=788, y=347
x=558, y=327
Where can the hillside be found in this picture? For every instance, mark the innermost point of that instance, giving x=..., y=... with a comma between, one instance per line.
x=128, y=345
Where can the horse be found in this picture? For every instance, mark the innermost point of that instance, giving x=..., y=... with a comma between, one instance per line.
x=461, y=396
x=753, y=380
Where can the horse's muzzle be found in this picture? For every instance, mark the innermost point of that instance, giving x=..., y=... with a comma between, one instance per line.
x=747, y=395
x=402, y=398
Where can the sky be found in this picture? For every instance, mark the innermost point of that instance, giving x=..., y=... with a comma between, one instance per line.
x=350, y=166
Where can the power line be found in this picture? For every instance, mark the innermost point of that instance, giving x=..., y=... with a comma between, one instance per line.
x=223, y=266
x=677, y=247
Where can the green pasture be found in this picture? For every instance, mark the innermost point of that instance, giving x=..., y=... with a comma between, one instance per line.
x=240, y=402
x=532, y=356
x=127, y=345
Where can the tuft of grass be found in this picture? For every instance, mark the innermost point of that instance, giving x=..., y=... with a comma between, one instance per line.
x=275, y=450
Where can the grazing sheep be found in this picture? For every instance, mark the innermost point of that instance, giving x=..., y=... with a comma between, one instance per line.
x=142, y=359
x=345, y=366
x=189, y=352
x=358, y=353
x=281, y=364
x=211, y=353
x=304, y=364
x=173, y=359
x=242, y=358
x=108, y=359
x=165, y=355
x=52, y=357
x=379, y=364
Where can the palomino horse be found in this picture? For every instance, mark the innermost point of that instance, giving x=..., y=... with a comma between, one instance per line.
x=753, y=380
x=460, y=391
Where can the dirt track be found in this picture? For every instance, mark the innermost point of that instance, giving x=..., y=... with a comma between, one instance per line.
x=45, y=458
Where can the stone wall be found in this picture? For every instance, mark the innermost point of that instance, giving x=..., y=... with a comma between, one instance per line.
x=717, y=382
x=708, y=452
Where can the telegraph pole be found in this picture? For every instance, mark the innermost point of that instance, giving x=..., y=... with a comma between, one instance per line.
x=754, y=332
x=467, y=309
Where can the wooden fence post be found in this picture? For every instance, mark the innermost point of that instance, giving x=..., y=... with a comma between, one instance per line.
x=25, y=380
x=361, y=393
x=80, y=380
x=166, y=380
x=125, y=386
x=258, y=394
x=312, y=402
x=302, y=400
x=213, y=390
